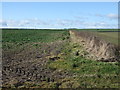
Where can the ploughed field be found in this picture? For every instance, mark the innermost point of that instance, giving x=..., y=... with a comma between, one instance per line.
x=48, y=59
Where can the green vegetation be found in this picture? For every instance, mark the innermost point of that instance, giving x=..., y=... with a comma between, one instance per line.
x=26, y=36
x=89, y=73
x=111, y=37
x=15, y=39
x=97, y=29
x=85, y=73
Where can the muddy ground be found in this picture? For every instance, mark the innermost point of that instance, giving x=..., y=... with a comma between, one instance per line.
x=30, y=65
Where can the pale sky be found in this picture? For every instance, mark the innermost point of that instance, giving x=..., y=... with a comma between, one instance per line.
x=59, y=15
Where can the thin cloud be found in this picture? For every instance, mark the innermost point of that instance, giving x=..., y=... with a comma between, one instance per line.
x=100, y=25
x=24, y=23
x=58, y=23
x=99, y=15
x=112, y=16
x=109, y=16
x=3, y=23
x=80, y=17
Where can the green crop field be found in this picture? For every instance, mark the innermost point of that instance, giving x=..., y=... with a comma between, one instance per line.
x=111, y=37
x=14, y=39
x=52, y=52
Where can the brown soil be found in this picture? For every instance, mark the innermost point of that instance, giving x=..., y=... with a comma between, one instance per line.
x=30, y=64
